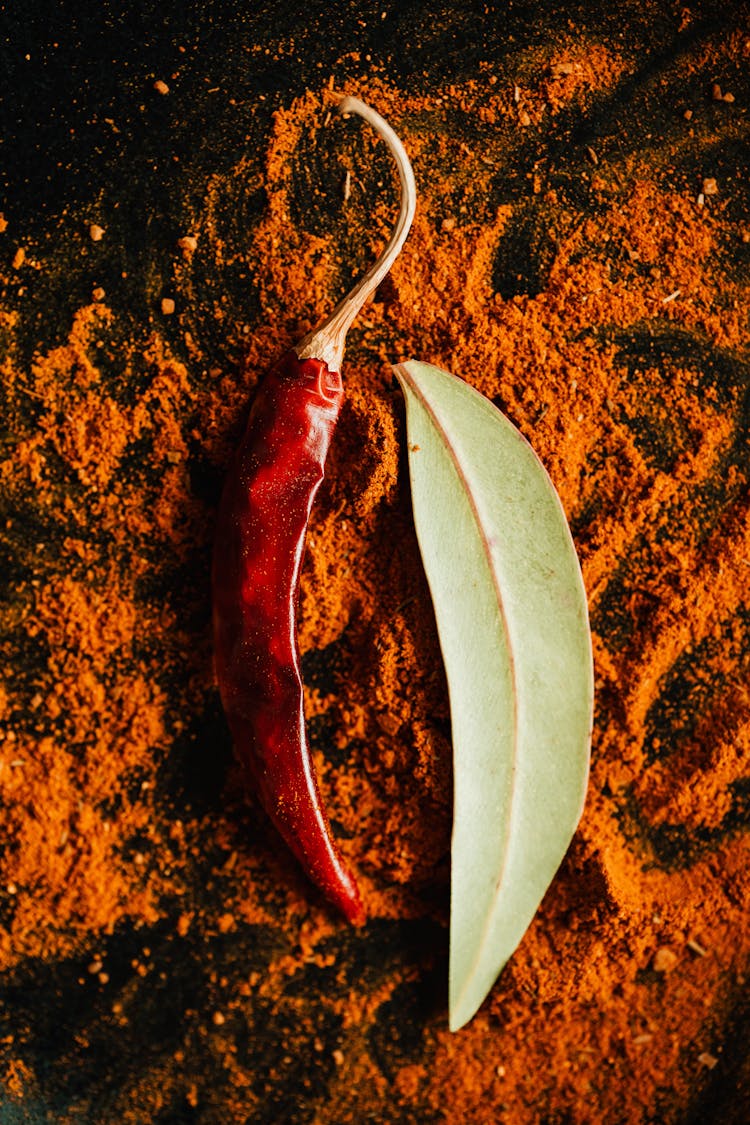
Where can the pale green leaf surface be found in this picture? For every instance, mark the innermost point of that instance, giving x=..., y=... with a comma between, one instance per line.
x=513, y=624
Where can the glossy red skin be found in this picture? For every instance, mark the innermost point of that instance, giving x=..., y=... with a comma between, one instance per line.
x=258, y=552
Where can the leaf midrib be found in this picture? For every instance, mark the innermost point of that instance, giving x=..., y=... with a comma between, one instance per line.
x=442, y=433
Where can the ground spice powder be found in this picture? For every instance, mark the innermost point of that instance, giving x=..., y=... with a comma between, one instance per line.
x=612, y=335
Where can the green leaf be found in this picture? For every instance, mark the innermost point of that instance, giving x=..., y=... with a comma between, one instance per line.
x=513, y=623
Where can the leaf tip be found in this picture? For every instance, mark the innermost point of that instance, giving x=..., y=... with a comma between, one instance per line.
x=462, y=1009
x=458, y=1019
x=400, y=370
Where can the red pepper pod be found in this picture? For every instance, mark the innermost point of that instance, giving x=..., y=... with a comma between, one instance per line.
x=260, y=536
x=258, y=551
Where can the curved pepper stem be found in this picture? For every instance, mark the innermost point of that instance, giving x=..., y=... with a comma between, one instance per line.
x=327, y=342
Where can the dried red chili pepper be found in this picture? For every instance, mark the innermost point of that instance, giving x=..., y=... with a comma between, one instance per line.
x=258, y=553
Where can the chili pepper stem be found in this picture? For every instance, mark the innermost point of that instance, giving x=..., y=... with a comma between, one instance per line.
x=327, y=342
